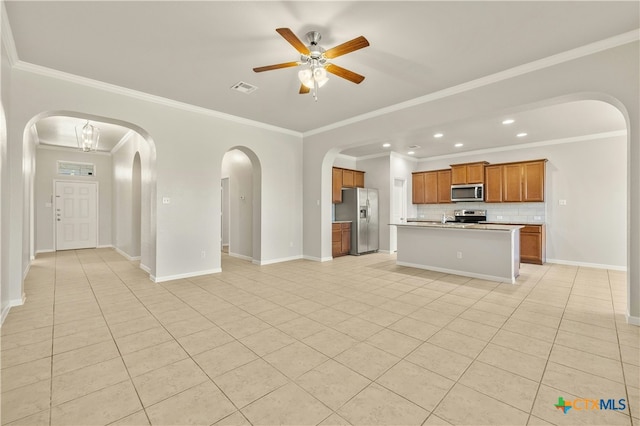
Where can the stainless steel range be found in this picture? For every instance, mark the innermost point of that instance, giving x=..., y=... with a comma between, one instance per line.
x=470, y=216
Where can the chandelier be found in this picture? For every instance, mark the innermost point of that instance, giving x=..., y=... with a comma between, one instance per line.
x=87, y=137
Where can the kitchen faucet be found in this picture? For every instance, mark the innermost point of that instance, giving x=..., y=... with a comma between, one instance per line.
x=445, y=218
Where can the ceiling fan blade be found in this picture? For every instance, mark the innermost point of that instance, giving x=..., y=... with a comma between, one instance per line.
x=288, y=35
x=344, y=73
x=348, y=47
x=276, y=66
x=304, y=89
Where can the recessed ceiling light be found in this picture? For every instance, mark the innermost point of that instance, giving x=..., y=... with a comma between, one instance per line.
x=438, y=135
x=386, y=145
x=458, y=145
x=509, y=121
x=521, y=135
x=413, y=146
x=410, y=152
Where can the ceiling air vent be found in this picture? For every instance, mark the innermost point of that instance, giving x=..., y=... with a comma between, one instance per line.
x=243, y=87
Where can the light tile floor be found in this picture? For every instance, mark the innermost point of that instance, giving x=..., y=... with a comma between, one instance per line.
x=358, y=340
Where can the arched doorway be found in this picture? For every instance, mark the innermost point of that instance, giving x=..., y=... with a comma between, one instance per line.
x=241, y=189
x=124, y=170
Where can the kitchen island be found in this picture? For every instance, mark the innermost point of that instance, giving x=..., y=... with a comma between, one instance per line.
x=486, y=251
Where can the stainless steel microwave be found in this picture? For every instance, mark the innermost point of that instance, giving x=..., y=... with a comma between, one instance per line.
x=470, y=192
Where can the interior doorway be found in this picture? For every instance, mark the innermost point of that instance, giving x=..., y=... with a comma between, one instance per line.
x=398, y=210
x=241, y=167
x=224, y=215
x=76, y=215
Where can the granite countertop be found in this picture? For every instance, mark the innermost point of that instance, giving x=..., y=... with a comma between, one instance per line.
x=342, y=221
x=495, y=222
x=474, y=226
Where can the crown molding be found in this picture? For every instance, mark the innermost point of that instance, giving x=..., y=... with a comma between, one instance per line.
x=112, y=88
x=122, y=141
x=47, y=147
x=7, y=36
x=569, y=55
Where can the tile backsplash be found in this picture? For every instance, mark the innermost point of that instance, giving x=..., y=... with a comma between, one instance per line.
x=499, y=212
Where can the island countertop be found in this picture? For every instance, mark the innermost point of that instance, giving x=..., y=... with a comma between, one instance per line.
x=451, y=225
x=485, y=251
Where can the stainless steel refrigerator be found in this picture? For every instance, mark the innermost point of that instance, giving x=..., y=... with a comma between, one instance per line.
x=360, y=206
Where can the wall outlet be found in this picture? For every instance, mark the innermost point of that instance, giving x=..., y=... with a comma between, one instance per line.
x=203, y=254
x=537, y=218
x=166, y=200
x=563, y=202
x=499, y=217
x=459, y=255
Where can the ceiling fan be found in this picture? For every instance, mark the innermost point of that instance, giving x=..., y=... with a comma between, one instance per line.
x=315, y=60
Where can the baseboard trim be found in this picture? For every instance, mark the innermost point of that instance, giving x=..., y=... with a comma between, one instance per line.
x=317, y=259
x=280, y=260
x=11, y=304
x=105, y=246
x=187, y=275
x=145, y=268
x=632, y=320
x=44, y=251
x=26, y=271
x=241, y=256
x=125, y=255
x=5, y=312
x=588, y=265
x=457, y=272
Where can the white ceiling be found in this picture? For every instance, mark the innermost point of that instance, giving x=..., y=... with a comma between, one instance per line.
x=61, y=131
x=193, y=52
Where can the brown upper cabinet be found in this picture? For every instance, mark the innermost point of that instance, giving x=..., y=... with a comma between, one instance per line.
x=493, y=184
x=515, y=182
x=345, y=178
x=431, y=187
x=468, y=173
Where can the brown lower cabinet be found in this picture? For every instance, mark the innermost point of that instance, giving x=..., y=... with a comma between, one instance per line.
x=340, y=238
x=532, y=244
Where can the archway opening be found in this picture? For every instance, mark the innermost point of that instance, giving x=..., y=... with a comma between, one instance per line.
x=123, y=168
x=241, y=186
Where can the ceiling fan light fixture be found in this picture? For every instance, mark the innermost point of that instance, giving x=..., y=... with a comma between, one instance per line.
x=310, y=76
x=87, y=137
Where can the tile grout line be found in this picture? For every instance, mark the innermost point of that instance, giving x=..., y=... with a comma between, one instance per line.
x=544, y=370
x=624, y=375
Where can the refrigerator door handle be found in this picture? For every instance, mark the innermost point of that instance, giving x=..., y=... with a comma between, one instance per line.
x=368, y=211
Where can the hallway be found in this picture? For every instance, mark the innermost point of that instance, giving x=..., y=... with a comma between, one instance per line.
x=356, y=340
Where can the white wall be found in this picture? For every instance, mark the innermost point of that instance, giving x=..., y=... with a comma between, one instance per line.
x=44, y=202
x=125, y=232
x=189, y=144
x=591, y=175
x=5, y=287
x=28, y=195
x=238, y=168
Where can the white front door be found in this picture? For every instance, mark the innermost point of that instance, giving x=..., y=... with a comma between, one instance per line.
x=76, y=215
